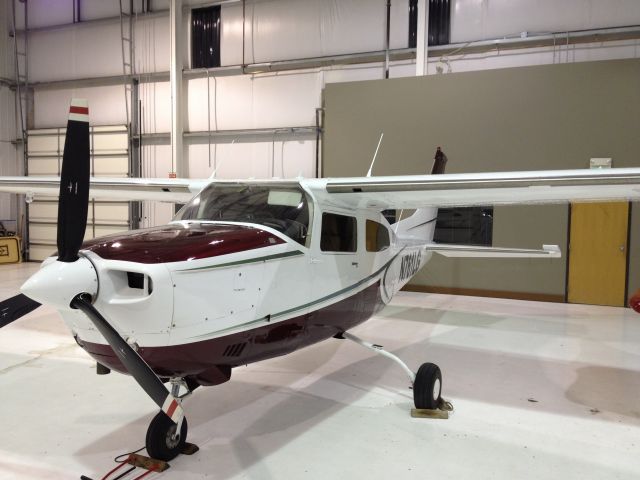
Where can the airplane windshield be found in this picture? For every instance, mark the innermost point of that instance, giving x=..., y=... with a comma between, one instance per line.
x=285, y=208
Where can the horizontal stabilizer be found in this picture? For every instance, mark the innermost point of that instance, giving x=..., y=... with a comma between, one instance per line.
x=470, y=251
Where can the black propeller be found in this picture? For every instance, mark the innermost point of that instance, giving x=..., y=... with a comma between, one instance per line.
x=15, y=307
x=72, y=219
x=74, y=183
x=72, y=207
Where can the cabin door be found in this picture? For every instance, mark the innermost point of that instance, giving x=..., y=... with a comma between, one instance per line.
x=598, y=253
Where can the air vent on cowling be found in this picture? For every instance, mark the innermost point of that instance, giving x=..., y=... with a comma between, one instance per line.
x=234, y=350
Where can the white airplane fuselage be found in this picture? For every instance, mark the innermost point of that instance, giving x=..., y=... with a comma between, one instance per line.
x=197, y=297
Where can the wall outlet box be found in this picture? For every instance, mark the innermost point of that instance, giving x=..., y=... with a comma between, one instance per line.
x=600, y=163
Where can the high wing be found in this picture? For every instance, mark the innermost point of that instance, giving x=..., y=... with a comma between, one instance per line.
x=102, y=188
x=473, y=189
x=396, y=192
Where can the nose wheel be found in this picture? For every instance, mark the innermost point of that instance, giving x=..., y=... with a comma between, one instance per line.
x=163, y=442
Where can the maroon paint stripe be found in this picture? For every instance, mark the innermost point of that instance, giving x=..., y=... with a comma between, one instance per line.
x=200, y=360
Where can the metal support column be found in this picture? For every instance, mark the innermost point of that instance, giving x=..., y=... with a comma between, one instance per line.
x=178, y=166
x=135, y=149
x=131, y=95
x=423, y=38
x=128, y=60
x=23, y=119
x=387, y=40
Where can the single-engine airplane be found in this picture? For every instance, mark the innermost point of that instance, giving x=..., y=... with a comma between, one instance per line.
x=252, y=269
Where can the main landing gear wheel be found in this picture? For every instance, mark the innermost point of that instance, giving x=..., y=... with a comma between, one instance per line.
x=162, y=442
x=427, y=387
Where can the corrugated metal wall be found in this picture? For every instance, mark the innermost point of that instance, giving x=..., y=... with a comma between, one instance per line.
x=275, y=30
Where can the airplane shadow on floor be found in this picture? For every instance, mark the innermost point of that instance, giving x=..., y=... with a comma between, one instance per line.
x=606, y=389
x=229, y=418
x=479, y=319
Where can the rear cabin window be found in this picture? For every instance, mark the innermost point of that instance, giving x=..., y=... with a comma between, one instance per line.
x=339, y=233
x=377, y=236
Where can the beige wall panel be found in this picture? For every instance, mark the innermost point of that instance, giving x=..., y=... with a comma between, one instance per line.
x=40, y=252
x=112, y=175
x=116, y=142
x=112, y=212
x=43, y=211
x=45, y=233
x=43, y=166
x=45, y=144
x=529, y=118
x=42, y=233
x=110, y=166
x=106, y=212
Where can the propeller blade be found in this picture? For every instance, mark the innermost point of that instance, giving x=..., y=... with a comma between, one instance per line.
x=134, y=363
x=74, y=183
x=13, y=308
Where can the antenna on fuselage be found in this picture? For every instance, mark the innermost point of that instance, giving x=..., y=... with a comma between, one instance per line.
x=213, y=175
x=375, y=155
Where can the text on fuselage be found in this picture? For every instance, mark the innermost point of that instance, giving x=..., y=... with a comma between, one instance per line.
x=410, y=264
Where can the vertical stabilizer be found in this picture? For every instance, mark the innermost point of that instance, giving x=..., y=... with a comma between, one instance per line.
x=419, y=227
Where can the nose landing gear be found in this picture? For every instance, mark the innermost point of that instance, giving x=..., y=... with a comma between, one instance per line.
x=166, y=439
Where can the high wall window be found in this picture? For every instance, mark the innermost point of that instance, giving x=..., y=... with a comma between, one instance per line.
x=205, y=37
x=377, y=236
x=339, y=233
x=413, y=23
x=439, y=22
x=465, y=226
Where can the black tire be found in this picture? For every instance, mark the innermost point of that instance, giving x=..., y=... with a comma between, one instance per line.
x=160, y=444
x=427, y=387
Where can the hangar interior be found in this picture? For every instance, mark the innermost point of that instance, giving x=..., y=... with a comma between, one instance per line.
x=543, y=385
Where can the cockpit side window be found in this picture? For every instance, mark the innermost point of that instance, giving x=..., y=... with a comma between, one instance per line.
x=286, y=209
x=339, y=233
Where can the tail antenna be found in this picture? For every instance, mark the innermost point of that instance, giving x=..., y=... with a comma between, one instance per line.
x=375, y=155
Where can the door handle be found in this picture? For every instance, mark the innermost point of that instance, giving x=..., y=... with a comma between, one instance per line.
x=315, y=260
x=622, y=248
x=354, y=264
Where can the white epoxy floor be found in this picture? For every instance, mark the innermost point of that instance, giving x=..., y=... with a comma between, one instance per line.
x=541, y=391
